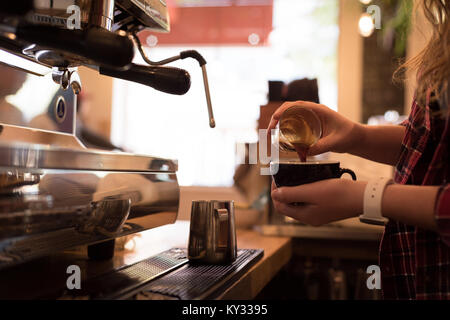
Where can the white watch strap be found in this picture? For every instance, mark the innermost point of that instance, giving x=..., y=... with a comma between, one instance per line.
x=373, y=197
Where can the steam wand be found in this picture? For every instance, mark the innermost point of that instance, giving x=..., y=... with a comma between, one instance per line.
x=183, y=55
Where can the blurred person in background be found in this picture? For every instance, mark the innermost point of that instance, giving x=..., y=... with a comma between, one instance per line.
x=415, y=249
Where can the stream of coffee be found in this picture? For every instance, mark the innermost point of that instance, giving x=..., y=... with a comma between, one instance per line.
x=302, y=151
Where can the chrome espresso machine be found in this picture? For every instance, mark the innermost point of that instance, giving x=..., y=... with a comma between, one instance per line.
x=54, y=192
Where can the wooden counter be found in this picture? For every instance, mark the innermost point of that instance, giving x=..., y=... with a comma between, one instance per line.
x=277, y=253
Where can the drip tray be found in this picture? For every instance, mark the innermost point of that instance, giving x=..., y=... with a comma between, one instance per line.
x=200, y=281
x=169, y=276
x=116, y=284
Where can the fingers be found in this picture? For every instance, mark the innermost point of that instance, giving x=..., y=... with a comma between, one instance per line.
x=306, y=213
x=277, y=114
x=285, y=209
x=274, y=186
x=304, y=193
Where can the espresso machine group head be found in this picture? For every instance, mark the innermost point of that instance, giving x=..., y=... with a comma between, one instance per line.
x=54, y=192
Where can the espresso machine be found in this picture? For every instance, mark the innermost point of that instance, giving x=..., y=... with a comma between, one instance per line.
x=54, y=192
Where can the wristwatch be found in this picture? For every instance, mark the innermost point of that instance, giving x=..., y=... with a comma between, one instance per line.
x=373, y=197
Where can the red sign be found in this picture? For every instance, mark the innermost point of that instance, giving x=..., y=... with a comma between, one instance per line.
x=230, y=23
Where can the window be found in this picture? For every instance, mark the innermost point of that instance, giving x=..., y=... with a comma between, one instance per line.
x=303, y=43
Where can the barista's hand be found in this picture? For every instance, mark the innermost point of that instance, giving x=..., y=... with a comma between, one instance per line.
x=320, y=202
x=339, y=134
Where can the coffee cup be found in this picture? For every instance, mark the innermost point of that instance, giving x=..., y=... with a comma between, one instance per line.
x=295, y=173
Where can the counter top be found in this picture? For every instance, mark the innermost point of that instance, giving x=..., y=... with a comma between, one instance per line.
x=350, y=229
x=277, y=253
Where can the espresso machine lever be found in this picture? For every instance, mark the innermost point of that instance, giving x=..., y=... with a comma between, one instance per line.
x=166, y=79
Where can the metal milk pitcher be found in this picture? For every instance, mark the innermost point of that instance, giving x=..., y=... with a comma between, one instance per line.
x=212, y=236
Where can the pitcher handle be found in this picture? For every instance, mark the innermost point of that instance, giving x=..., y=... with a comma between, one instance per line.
x=350, y=172
x=222, y=239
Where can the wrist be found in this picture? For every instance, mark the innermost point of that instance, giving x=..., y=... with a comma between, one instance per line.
x=360, y=187
x=354, y=197
x=374, y=194
x=357, y=139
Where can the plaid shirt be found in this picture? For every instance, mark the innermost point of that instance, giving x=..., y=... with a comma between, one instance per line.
x=415, y=263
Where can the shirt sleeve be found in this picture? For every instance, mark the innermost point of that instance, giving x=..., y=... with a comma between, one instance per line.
x=443, y=213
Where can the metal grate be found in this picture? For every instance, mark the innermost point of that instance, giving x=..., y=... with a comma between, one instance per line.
x=117, y=283
x=198, y=281
x=168, y=275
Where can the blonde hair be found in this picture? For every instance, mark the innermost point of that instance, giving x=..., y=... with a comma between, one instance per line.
x=432, y=64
